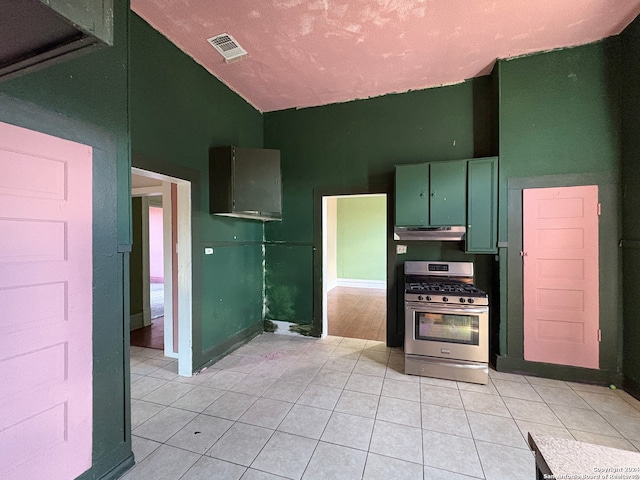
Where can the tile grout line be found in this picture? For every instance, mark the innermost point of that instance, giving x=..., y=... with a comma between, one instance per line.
x=361, y=357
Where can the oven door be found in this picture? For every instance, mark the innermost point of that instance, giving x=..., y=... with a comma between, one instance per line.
x=451, y=331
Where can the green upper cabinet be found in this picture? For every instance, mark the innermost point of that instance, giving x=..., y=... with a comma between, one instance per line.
x=451, y=193
x=412, y=197
x=448, y=193
x=482, y=206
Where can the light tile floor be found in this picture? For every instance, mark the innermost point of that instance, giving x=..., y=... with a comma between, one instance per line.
x=341, y=408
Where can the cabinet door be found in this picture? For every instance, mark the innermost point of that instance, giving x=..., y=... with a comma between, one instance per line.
x=448, y=192
x=482, y=208
x=412, y=199
x=256, y=181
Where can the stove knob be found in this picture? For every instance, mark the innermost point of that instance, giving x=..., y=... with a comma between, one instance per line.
x=445, y=299
x=419, y=297
x=428, y=298
x=470, y=300
x=462, y=300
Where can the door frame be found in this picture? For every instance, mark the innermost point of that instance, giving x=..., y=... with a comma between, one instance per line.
x=185, y=266
x=512, y=358
x=395, y=328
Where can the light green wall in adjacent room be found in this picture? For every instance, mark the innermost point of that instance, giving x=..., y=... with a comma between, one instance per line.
x=362, y=237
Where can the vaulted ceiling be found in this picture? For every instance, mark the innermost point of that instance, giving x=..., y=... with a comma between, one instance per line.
x=304, y=53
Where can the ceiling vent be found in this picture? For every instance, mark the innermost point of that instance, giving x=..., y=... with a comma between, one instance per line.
x=228, y=47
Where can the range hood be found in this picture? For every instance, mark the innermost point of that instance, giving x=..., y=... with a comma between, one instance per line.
x=245, y=183
x=442, y=234
x=38, y=33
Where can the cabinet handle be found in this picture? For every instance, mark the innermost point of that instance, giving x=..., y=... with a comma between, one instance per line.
x=421, y=194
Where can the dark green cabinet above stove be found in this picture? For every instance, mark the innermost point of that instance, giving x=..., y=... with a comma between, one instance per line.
x=447, y=193
x=450, y=194
x=412, y=195
x=431, y=194
x=482, y=206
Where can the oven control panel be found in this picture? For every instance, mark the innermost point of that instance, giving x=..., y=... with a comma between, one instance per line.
x=461, y=301
x=438, y=267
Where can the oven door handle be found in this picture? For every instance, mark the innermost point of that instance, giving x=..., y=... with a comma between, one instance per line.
x=447, y=310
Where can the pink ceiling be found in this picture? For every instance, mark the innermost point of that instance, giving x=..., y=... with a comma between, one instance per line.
x=307, y=53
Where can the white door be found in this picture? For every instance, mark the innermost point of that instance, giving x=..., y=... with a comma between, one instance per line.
x=560, y=248
x=45, y=306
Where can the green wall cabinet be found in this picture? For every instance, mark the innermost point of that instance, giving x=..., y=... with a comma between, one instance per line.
x=245, y=183
x=460, y=193
x=448, y=193
x=431, y=194
x=482, y=206
x=412, y=195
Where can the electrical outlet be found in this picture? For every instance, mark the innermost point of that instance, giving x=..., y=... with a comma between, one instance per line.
x=400, y=249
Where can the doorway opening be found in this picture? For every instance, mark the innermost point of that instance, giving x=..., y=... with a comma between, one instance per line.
x=354, y=266
x=160, y=265
x=147, y=303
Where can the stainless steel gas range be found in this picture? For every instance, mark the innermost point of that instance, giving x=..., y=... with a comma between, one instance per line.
x=446, y=322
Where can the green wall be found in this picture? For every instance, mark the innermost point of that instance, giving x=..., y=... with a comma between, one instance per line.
x=559, y=125
x=85, y=100
x=362, y=238
x=352, y=148
x=178, y=111
x=554, y=120
x=630, y=74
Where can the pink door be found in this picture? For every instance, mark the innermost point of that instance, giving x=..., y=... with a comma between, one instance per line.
x=560, y=237
x=45, y=306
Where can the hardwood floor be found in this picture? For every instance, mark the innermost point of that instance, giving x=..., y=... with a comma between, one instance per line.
x=357, y=313
x=151, y=336
x=352, y=312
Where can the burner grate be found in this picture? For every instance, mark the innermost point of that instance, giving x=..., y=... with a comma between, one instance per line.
x=444, y=287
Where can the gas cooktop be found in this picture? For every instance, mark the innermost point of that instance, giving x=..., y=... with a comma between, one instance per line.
x=458, y=288
x=442, y=282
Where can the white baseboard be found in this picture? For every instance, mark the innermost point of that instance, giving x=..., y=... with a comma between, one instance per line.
x=146, y=316
x=331, y=285
x=136, y=321
x=357, y=283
